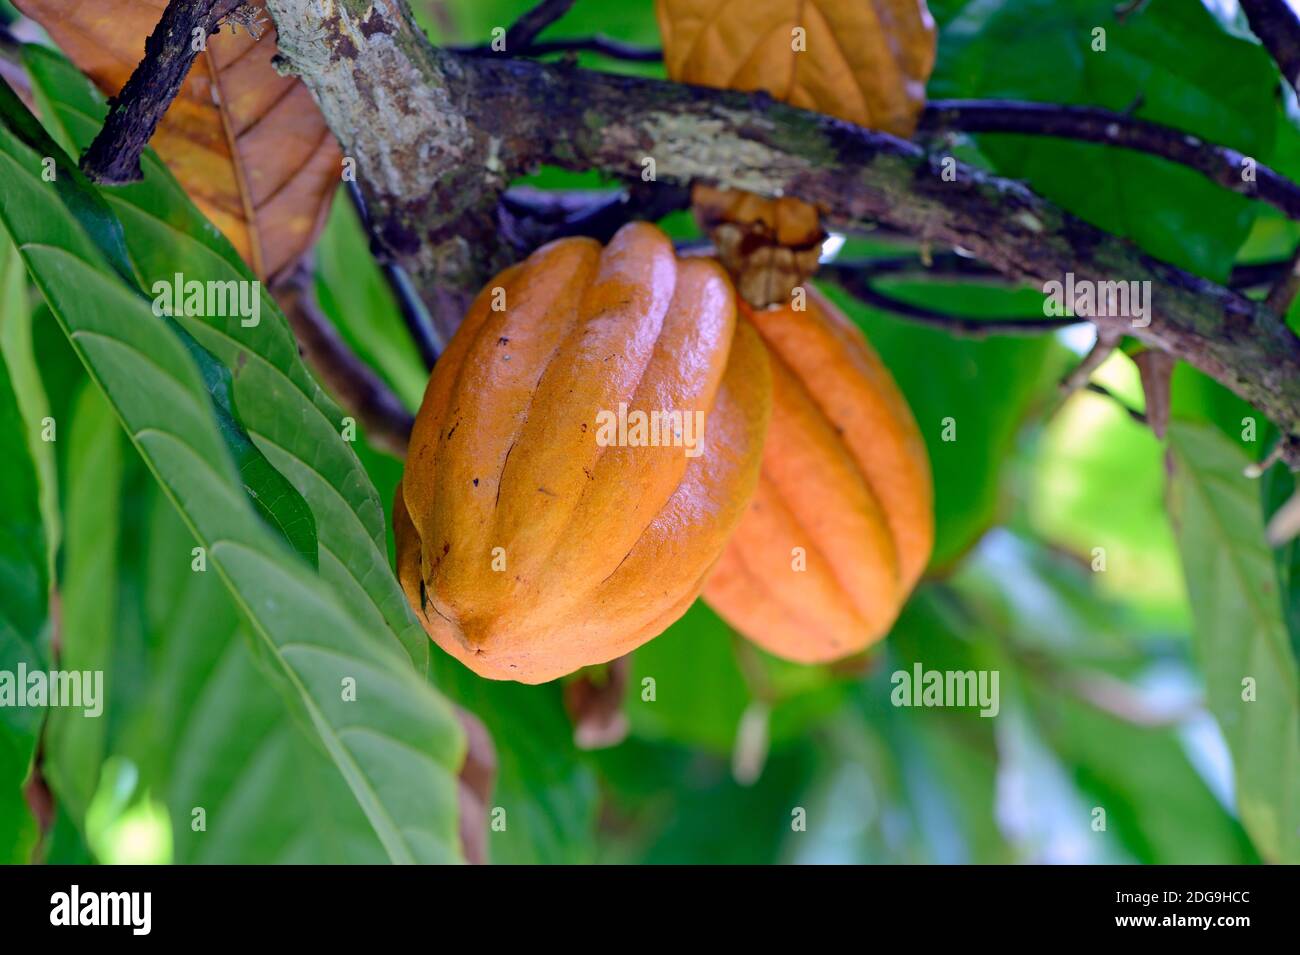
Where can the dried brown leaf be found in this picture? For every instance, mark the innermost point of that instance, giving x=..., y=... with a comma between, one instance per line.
x=248, y=145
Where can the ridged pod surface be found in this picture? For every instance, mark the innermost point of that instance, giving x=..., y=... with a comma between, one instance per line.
x=842, y=523
x=865, y=61
x=527, y=547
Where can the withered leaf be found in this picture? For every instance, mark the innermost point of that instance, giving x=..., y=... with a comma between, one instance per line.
x=248, y=145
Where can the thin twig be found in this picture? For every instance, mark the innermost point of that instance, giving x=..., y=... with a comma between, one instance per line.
x=605, y=46
x=1278, y=28
x=414, y=314
x=531, y=217
x=1123, y=701
x=1285, y=286
x=937, y=267
x=860, y=287
x=1257, y=469
x=526, y=29
x=1257, y=274
x=134, y=114
x=1220, y=164
x=1105, y=392
x=1106, y=343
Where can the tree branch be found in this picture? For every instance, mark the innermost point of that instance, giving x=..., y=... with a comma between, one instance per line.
x=857, y=282
x=1278, y=29
x=526, y=29
x=414, y=315
x=605, y=46
x=1221, y=165
x=439, y=135
x=134, y=114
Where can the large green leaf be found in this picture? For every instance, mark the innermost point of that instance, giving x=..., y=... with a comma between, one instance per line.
x=24, y=606
x=1171, y=61
x=1251, y=677
x=274, y=497
x=213, y=734
x=16, y=345
x=947, y=758
x=291, y=420
x=397, y=744
x=88, y=586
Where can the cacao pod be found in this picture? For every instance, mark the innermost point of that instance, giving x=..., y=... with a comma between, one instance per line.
x=841, y=525
x=527, y=545
x=865, y=61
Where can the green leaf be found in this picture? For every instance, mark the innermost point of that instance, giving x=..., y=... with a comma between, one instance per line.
x=285, y=412
x=671, y=805
x=547, y=791
x=946, y=759
x=279, y=503
x=1085, y=451
x=1278, y=486
x=1242, y=647
x=354, y=294
x=18, y=351
x=24, y=585
x=212, y=732
x=274, y=497
x=1172, y=60
x=699, y=691
x=88, y=586
x=397, y=745
x=1141, y=777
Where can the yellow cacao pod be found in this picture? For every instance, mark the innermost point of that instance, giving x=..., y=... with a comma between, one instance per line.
x=842, y=522
x=530, y=546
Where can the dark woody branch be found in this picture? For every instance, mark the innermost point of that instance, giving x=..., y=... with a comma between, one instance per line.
x=134, y=114
x=1226, y=167
x=438, y=136
x=528, y=27
x=1278, y=28
x=857, y=280
x=605, y=46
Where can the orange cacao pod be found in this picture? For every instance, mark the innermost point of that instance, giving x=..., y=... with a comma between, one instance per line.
x=842, y=523
x=865, y=61
x=529, y=545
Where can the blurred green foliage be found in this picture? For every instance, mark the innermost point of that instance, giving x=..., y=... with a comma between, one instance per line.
x=1121, y=733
